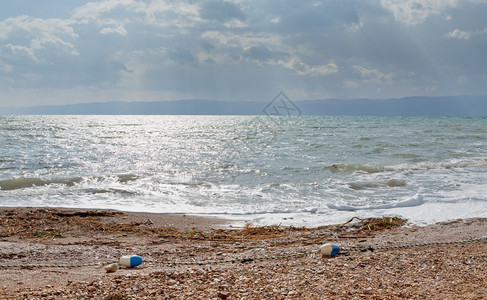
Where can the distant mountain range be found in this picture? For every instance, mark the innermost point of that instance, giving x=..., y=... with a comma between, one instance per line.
x=409, y=106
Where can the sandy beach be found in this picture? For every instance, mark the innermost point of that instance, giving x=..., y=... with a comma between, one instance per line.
x=190, y=257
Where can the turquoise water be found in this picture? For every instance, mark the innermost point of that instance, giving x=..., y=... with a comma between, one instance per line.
x=265, y=170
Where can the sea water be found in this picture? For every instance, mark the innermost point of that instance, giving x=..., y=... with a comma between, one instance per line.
x=301, y=171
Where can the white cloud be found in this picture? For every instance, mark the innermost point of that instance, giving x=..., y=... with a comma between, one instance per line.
x=414, y=12
x=16, y=50
x=302, y=68
x=164, y=13
x=36, y=26
x=275, y=20
x=273, y=44
x=159, y=13
x=245, y=40
x=459, y=34
x=93, y=10
x=354, y=27
x=32, y=34
x=351, y=84
x=115, y=28
x=5, y=67
x=373, y=75
x=463, y=79
x=466, y=35
x=235, y=23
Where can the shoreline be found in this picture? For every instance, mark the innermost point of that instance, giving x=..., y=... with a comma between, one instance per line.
x=60, y=237
x=176, y=220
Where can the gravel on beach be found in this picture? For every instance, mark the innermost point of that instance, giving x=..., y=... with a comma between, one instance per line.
x=190, y=257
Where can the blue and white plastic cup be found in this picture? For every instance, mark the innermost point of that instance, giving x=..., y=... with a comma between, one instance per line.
x=130, y=261
x=329, y=249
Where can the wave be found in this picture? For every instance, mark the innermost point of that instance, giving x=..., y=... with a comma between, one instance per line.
x=368, y=185
x=29, y=182
x=110, y=191
x=127, y=178
x=26, y=182
x=367, y=168
x=472, y=162
x=417, y=200
x=257, y=212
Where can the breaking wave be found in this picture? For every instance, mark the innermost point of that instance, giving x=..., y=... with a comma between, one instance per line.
x=472, y=162
x=29, y=182
x=417, y=200
x=367, y=184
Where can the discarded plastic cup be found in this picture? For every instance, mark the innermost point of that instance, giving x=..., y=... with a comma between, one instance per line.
x=130, y=261
x=329, y=249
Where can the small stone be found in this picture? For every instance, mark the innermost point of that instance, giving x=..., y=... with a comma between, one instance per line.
x=111, y=268
x=224, y=295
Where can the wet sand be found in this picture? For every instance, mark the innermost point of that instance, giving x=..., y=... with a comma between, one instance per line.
x=189, y=257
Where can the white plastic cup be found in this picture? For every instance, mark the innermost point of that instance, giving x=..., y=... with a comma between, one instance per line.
x=329, y=249
x=130, y=261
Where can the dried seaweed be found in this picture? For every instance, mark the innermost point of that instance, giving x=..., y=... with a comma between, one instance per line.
x=55, y=223
x=373, y=225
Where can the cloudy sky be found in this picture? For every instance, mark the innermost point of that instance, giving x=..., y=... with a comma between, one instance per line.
x=71, y=51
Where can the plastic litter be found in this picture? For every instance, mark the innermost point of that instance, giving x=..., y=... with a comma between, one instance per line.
x=329, y=249
x=130, y=261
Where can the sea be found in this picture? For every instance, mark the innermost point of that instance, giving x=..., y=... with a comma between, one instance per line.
x=260, y=170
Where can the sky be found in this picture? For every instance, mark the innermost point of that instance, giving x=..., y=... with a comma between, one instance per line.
x=56, y=52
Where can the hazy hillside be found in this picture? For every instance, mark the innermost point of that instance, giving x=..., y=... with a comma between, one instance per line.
x=409, y=106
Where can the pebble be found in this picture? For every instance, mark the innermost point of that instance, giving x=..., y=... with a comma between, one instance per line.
x=111, y=268
x=224, y=295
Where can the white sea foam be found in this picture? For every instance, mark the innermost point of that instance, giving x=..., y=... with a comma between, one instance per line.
x=414, y=201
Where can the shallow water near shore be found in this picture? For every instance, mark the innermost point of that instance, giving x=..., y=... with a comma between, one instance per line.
x=302, y=171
